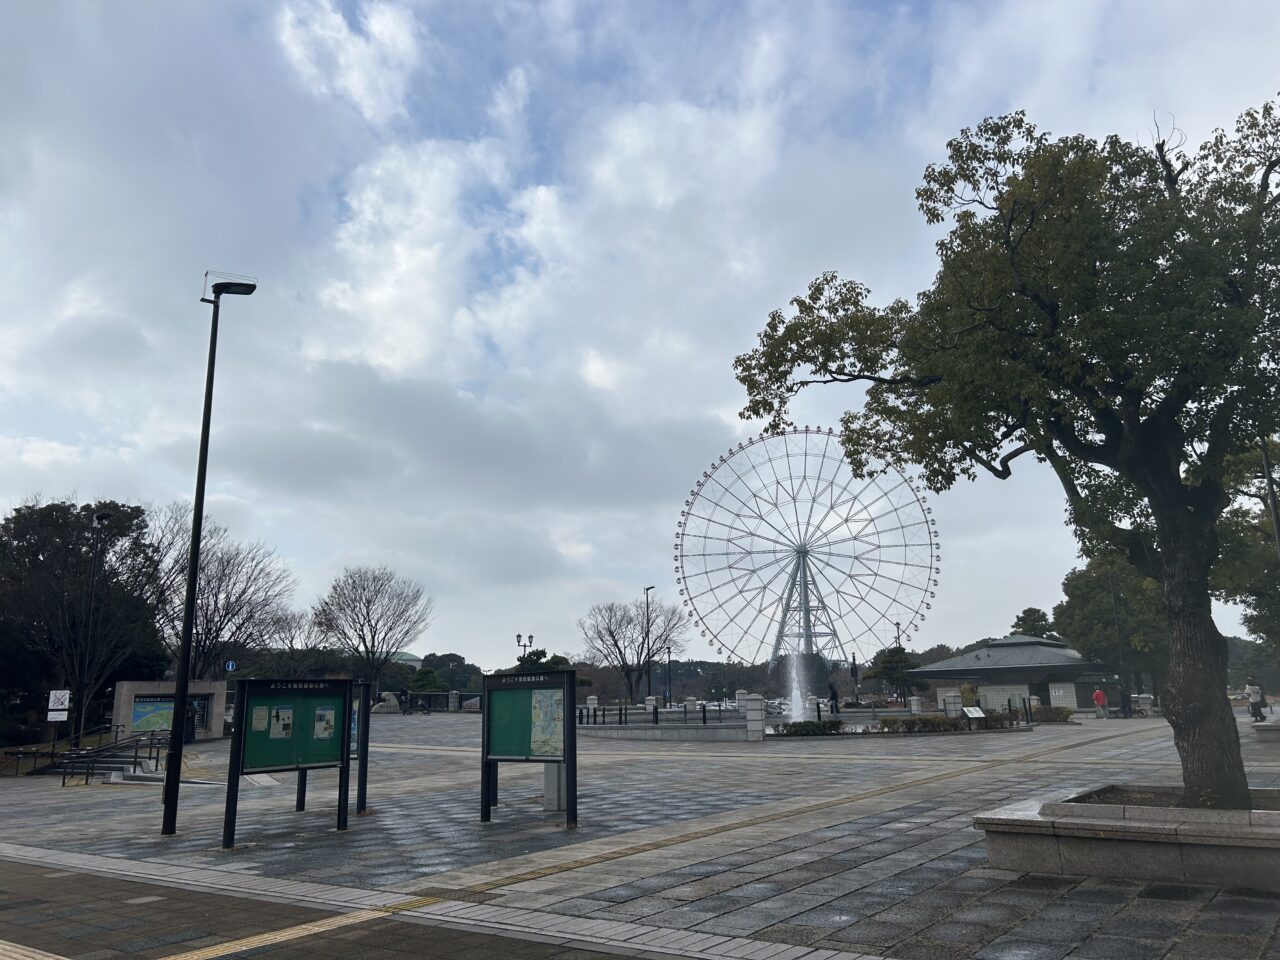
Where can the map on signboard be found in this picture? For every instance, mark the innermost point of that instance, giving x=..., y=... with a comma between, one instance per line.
x=259, y=719
x=546, y=738
x=324, y=723
x=281, y=723
x=152, y=713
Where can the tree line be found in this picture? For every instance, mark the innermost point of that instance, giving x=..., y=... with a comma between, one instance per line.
x=93, y=593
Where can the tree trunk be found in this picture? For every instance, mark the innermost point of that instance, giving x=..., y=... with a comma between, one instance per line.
x=1195, y=701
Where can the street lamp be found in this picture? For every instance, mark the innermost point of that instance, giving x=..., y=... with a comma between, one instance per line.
x=669, y=699
x=648, y=654
x=524, y=645
x=99, y=522
x=242, y=287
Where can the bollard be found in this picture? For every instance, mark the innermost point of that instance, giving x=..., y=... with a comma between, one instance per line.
x=704, y=714
x=686, y=713
x=655, y=714
x=818, y=707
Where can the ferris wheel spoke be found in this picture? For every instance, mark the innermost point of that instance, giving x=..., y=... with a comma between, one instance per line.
x=855, y=609
x=813, y=500
x=861, y=519
x=880, y=532
x=755, y=513
x=741, y=530
x=890, y=597
x=836, y=502
x=730, y=566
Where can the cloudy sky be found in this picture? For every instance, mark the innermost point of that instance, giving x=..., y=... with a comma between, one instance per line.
x=507, y=253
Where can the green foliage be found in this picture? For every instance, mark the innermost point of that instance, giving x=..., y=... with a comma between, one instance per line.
x=891, y=665
x=1033, y=622
x=1113, y=614
x=427, y=680
x=454, y=671
x=934, y=723
x=531, y=661
x=1051, y=714
x=809, y=728
x=79, y=591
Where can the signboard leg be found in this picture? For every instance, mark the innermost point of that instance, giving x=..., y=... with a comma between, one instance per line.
x=344, y=768
x=570, y=752
x=302, y=791
x=233, y=767
x=362, y=763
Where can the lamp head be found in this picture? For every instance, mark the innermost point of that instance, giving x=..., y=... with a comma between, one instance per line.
x=237, y=287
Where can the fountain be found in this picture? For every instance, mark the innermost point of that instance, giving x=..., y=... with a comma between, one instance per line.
x=797, y=695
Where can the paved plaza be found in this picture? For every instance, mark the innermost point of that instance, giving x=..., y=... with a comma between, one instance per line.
x=821, y=849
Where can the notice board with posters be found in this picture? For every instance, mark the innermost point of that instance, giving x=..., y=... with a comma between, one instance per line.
x=294, y=724
x=530, y=718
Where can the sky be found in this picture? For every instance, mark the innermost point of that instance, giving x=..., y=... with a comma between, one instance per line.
x=507, y=252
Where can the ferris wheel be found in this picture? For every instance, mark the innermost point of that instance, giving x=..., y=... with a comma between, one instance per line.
x=780, y=550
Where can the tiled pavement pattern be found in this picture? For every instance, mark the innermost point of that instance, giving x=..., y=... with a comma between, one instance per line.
x=860, y=845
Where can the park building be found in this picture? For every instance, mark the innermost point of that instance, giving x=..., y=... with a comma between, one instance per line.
x=1018, y=667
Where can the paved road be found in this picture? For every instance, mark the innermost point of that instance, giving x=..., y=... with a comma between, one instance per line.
x=858, y=846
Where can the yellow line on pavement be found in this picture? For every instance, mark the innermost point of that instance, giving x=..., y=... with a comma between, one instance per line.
x=279, y=936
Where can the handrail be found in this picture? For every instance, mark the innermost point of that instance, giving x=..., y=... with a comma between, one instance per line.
x=89, y=757
x=51, y=751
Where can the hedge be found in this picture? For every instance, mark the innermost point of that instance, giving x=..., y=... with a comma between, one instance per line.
x=809, y=728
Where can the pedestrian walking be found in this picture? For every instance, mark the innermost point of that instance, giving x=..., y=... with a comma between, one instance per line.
x=1256, y=700
x=834, y=698
x=1099, y=703
x=404, y=699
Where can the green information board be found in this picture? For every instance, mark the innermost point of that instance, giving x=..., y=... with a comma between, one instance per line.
x=525, y=723
x=294, y=724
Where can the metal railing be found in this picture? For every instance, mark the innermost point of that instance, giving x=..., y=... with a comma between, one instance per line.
x=140, y=748
x=71, y=742
x=621, y=716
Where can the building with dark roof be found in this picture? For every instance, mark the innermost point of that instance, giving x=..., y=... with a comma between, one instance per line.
x=1017, y=667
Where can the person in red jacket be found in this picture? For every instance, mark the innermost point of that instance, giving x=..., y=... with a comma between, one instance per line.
x=1100, y=703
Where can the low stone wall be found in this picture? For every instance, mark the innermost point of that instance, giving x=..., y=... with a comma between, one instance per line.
x=712, y=732
x=1233, y=848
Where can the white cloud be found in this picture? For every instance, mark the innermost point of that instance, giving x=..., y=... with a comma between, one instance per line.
x=370, y=67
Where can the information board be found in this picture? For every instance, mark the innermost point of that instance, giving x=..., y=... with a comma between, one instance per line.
x=525, y=724
x=974, y=713
x=529, y=718
x=294, y=724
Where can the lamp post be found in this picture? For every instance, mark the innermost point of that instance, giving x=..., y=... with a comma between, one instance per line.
x=524, y=645
x=667, y=702
x=177, y=727
x=99, y=521
x=648, y=654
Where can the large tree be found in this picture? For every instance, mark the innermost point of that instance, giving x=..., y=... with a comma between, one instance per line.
x=241, y=591
x=373, y=614
x=78, y=583
x=1106, y=307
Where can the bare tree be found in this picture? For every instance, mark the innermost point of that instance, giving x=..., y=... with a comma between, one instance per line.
x=373, y=614
x=295, y=645
x=241, y=589
x=615, y=635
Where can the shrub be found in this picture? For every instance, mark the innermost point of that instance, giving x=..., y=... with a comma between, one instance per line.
x=891, y=724
x=1051, y=714
x=808, y=728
